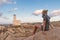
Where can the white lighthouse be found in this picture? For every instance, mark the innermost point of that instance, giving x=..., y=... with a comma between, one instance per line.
x=15, y=21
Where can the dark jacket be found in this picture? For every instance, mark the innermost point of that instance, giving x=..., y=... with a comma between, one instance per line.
x=47, y=19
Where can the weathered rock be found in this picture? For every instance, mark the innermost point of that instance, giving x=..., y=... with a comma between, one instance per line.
x=11, y=30
x=22, y=33
x=3, y=36
x=2, y=27
x=48, y=35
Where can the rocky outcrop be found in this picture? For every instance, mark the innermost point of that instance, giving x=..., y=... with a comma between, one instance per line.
x=52, y=34
x=25, y=33
x=12, y=33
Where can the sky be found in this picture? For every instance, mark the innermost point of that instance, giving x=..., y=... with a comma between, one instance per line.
x=24, y=10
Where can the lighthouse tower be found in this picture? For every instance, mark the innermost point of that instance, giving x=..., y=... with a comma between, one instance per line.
x=15, y=21
x=14, y=17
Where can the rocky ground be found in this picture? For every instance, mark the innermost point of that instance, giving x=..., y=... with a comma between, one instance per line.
x=25, y=32
x=52, y=34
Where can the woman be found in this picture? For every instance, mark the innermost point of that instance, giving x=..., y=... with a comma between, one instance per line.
x=46, y=20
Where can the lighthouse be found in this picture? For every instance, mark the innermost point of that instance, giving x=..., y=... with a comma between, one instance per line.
x=15, y=21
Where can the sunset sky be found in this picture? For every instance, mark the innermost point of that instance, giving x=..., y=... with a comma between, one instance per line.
x=24, y=10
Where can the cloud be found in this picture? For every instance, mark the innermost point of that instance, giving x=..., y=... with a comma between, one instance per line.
x=5, y=21
x=5, y=18
x=7, y=2
x=31, y=19
x=1, y=14
x=55, y=13
x=57, y=18
x=37, y=12
x=14, y=2
x=13, y=10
